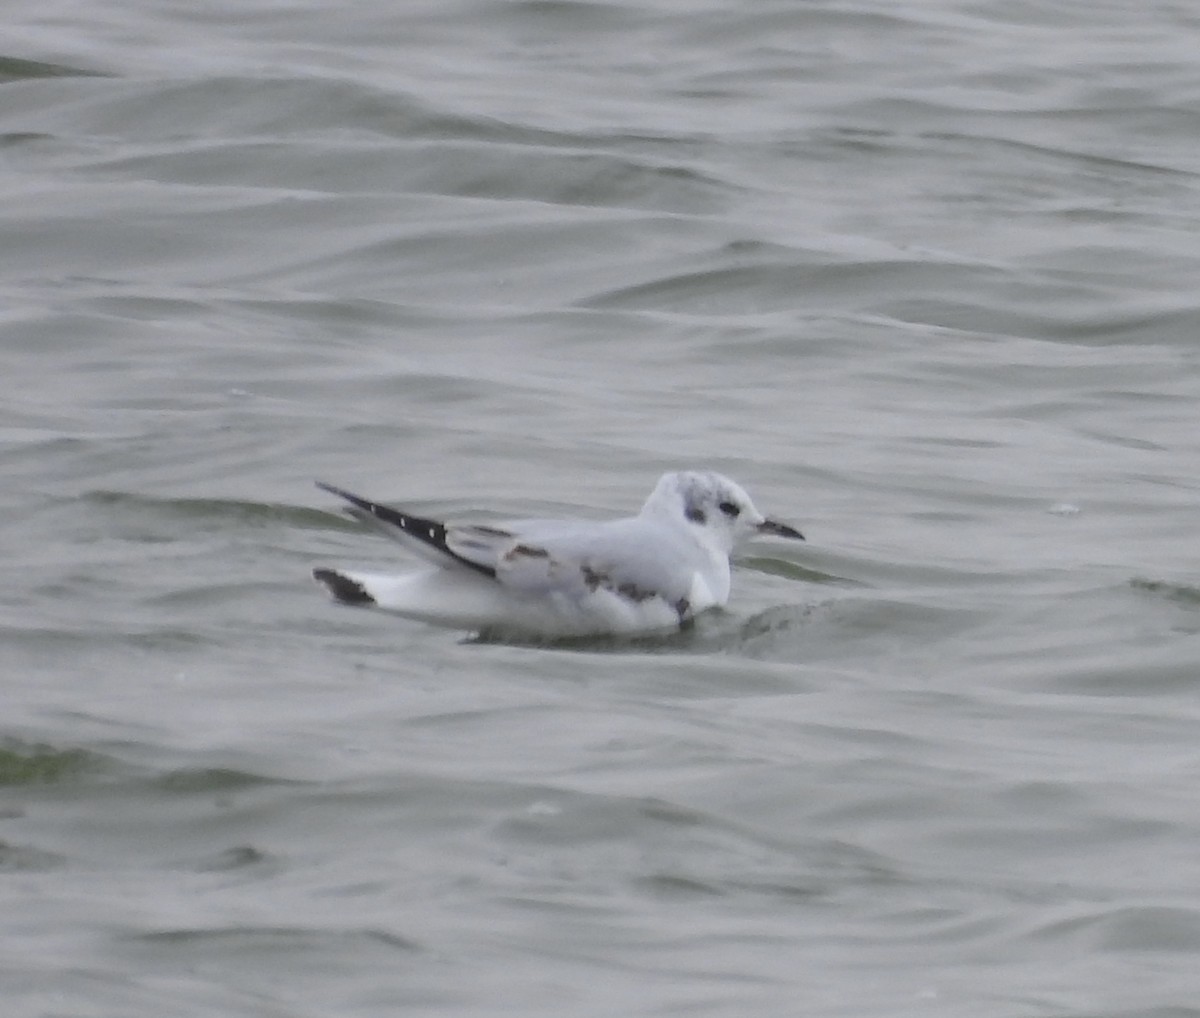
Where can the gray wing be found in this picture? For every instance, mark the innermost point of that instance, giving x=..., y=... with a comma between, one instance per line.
x=635, y=558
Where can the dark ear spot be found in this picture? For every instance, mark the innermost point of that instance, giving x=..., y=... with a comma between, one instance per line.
x=696, y=514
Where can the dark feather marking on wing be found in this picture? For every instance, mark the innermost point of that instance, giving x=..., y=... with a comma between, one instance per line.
x=430, y=532
x=683, y=608
x=343, y=588
x=528, y=550
x=635, y=593
x=594, y=579
x=490, y=531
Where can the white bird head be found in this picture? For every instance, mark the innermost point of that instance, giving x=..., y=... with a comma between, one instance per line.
x=717, y=506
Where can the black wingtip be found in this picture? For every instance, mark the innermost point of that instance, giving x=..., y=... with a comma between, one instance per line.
x=349, y=496
x=343, y=589
x=430, y=532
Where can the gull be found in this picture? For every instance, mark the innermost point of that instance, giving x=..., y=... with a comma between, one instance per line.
x=653, y=572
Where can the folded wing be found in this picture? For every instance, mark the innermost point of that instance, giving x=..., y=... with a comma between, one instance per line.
x=634, y=560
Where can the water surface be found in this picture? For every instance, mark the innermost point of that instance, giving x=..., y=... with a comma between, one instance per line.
x=921, y=277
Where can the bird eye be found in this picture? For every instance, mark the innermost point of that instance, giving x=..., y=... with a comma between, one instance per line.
x=730, y=509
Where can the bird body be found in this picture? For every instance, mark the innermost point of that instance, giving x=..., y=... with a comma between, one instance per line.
x=558, y=578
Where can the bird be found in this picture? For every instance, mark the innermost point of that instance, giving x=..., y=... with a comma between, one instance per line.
x=654, y=572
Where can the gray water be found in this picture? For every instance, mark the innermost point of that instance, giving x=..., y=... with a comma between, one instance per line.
x=922, y=277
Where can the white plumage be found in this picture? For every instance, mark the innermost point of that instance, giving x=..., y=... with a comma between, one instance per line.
x=556, y=578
